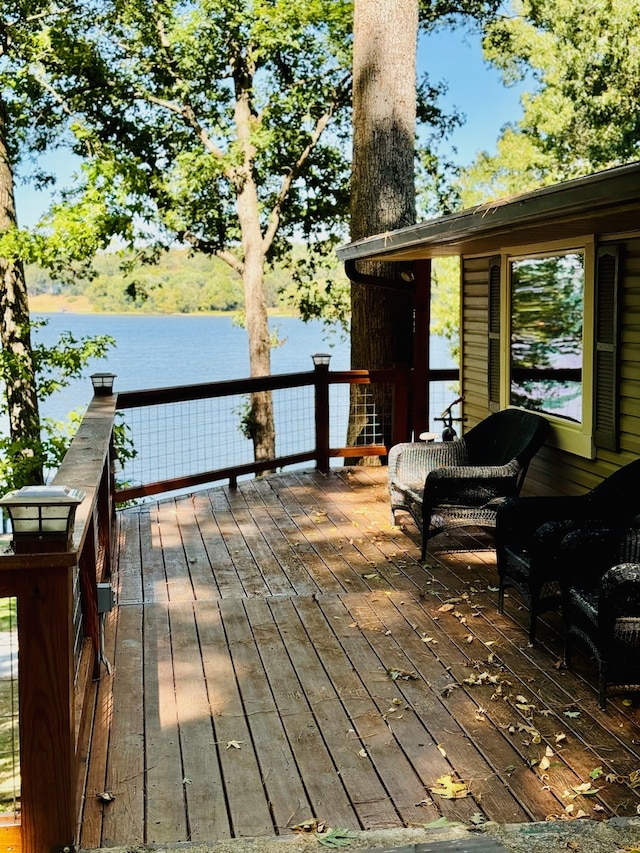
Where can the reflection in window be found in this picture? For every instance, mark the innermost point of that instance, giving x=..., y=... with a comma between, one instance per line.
x=546, y=334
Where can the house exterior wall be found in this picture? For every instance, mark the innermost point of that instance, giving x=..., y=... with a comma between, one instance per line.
x=555, y=471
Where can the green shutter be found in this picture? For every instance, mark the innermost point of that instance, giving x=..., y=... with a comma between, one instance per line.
x=493, y=367
x=606, y=379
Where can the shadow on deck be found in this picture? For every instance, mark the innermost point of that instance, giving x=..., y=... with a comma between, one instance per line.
x=279, y=653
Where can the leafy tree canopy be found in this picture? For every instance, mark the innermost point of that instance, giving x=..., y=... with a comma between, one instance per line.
x=583, y=63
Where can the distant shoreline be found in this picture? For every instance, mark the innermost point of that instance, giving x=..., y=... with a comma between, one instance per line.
x=48, y=303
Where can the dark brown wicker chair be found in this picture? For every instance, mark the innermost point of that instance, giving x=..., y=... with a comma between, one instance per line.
x=451, y=484
x=601, y=603
x=529, y=531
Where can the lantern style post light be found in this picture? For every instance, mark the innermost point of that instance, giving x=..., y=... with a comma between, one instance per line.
x=321, y=359
x=42, y=518
x=102, y=383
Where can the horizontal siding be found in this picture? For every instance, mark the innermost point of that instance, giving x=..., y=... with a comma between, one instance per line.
x=553, y=471
x=630, y=351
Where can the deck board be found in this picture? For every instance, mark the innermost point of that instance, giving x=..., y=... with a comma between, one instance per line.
x=280, y=653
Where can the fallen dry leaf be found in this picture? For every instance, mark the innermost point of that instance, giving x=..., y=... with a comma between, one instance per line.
x=448, y=788
x=586, y=789
x=105, y=797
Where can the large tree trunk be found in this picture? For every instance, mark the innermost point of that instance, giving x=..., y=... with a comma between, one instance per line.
x=18, y=373
x=382, y=194
x=261, y=422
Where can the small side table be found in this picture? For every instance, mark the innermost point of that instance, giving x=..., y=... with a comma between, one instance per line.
x=429, y=436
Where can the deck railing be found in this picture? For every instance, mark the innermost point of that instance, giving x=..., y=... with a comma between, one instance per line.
x=189, y=435
x=55, y=674
x=59, y=655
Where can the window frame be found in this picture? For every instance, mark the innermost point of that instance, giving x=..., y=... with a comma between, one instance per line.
x=575, y=438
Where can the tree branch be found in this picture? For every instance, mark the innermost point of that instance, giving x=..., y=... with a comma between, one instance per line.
x=185, y=110
x=289, y=178
x=207, y=247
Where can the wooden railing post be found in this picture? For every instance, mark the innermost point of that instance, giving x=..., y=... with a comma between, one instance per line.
x=321, y=385
x=400, y=429
x=46, y=702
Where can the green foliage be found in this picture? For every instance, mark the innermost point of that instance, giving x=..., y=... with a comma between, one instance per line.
x=248, y=423
x=445, y=302
x=54, y=367
x=583, y=63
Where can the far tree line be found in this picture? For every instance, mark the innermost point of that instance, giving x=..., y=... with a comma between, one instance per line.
x=178, y=282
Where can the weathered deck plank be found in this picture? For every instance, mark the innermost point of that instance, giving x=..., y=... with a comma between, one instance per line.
x=279, y=653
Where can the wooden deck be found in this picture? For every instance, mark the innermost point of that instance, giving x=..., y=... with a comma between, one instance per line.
x=278, y=653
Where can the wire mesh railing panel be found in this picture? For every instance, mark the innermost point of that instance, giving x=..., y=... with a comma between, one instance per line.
x=338, y=415
x=174, y=440
x=441, y=395
x=293, y=410
x=360, y=414
x=188, y=440
x=9, y=719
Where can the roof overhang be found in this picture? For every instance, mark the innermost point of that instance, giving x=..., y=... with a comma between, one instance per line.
x=605, y=203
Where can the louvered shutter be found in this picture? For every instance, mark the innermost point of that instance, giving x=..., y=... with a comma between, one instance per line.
x=493, y=367
x=606, y=402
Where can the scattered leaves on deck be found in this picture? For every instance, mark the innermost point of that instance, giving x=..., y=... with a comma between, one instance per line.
x=395, y=674
x=449, y=789
x=105, y=796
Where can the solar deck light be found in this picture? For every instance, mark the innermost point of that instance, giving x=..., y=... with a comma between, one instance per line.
x=42, y=517
x=102, y=383
x=321, y=359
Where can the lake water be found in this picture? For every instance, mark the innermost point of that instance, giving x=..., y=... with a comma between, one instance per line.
x=154, y=351
x=159, y=351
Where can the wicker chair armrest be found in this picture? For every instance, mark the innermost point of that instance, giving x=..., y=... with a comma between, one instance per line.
x=411, y=462
x=619, y=598
x=471, y=485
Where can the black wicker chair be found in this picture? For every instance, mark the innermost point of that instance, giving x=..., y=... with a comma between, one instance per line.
x=529, y=531
x=460, y=482
x=601, y=603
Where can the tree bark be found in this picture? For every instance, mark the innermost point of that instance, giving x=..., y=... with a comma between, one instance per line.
x=262, y=426
x=15, y=337
x=382, y=195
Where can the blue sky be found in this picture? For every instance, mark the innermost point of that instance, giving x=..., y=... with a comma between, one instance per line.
x=475, y=90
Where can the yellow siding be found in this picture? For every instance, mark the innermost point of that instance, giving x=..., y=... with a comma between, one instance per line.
x=554, y=471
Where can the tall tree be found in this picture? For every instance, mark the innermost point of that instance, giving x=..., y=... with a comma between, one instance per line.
x=387, y=100
x=220, y=124
x=15, y=337
x=30, y=116
x=383, y=191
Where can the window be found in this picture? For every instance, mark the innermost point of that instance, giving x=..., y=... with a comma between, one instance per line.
x=547, y=321
x=553, y=339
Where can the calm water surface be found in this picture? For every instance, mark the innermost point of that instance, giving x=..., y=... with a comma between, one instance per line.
x=157, y=350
